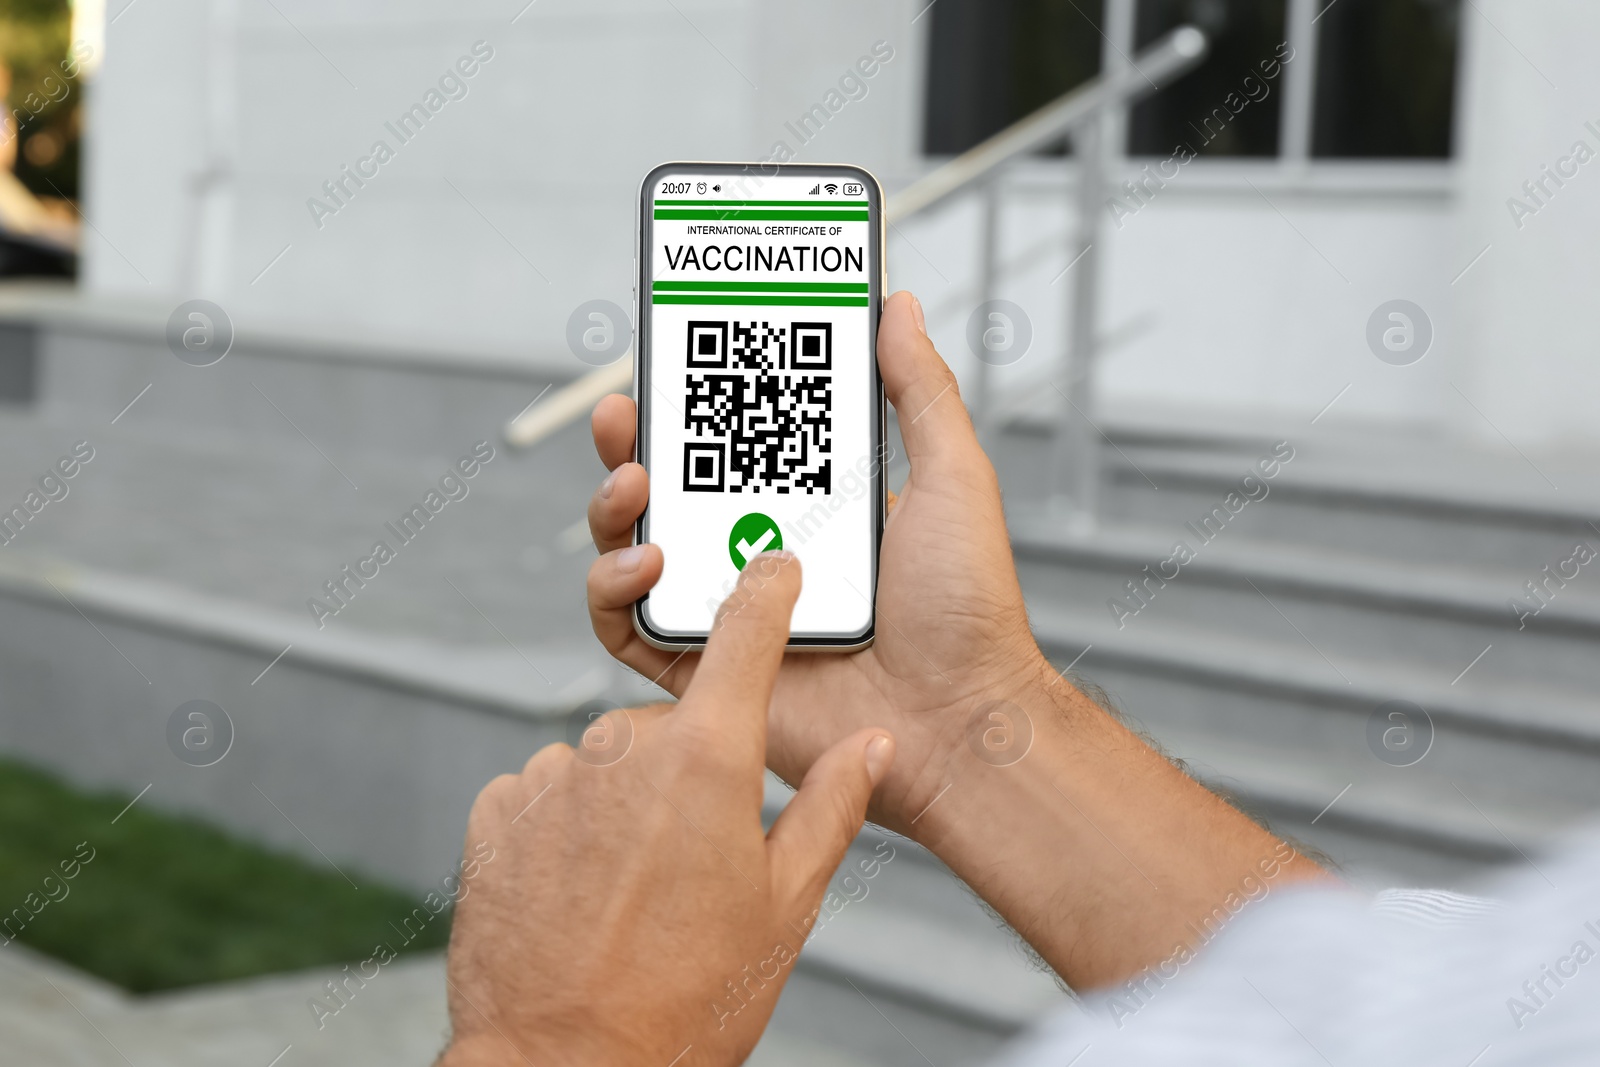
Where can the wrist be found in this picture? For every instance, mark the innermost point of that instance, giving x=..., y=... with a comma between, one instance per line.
x=988, y=722
x=1012, y=741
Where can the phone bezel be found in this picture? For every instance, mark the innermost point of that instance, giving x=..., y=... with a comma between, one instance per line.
x=876, y=279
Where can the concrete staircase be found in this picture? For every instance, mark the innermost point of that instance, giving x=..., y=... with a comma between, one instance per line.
x=1375, y=570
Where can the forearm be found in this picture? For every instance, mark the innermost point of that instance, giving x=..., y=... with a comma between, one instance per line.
x=1097, y=850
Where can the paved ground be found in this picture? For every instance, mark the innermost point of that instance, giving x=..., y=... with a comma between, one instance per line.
x=53, y=1016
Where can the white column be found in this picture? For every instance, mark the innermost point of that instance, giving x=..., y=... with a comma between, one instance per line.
x=210, y=262
x=1522, y=344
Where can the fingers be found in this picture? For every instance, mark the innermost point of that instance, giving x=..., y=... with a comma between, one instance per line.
x=933, y=420
x=614, y=422
x=733, y=682
x=622, y=496
x=809, y=839
x=616, y=580
x=617, y=505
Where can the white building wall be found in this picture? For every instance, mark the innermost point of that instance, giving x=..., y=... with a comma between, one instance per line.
x=1240, y=292
x=512, y=206
x=1243, y=291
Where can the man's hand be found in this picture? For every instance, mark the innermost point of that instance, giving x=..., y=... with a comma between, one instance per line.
x=952, y=633
x=635, y=910
x=1092, y=845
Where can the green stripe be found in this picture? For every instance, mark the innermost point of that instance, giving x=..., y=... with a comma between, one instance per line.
x=763, y=203
x=710, y=298
x=763, y=287
x=765, y=215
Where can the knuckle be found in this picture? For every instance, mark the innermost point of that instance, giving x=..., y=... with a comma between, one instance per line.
x=549, y=761
x=492, y=797
x=498, y=787
x=604, y=584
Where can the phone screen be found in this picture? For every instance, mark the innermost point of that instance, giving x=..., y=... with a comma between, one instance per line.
x=760, y=408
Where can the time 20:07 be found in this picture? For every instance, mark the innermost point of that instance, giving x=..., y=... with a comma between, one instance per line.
x=674, y=188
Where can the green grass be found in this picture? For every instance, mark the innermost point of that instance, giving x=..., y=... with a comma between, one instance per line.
x=169, y=901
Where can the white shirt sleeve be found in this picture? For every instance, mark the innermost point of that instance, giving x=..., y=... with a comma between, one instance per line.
x=1325, y=977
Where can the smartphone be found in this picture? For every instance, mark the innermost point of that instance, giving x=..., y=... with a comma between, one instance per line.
x=761, y=414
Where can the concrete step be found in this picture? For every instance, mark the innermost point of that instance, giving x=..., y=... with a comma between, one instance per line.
x=1354, y=609
x=1527, y=756
x=1429, y=502
x=1351, y=508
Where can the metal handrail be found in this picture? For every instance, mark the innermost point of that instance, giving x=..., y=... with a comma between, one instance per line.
x=1174, y=54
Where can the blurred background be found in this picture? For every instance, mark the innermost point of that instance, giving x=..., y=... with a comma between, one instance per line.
x=273, y=268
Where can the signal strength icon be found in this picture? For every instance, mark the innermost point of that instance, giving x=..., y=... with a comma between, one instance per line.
x=831, y=189
x=815, y=190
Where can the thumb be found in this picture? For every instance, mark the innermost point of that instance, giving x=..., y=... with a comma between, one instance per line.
x=810, y=836
x=933, y=421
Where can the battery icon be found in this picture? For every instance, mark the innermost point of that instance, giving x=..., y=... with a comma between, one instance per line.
x=853, y=189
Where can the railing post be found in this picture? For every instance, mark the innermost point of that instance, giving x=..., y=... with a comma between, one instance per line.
x=1299, y=86
x=1075, y=458
x=1075, y=453
x=982, y=400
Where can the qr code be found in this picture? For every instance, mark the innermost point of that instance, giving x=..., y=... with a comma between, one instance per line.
x=758, y=404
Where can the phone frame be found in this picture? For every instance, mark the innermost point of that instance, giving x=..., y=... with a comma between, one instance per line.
x=877, y=278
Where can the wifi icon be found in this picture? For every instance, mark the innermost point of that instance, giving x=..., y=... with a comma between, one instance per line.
x=831, y=189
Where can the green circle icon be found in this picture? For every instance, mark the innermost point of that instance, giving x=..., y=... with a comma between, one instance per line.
x=752, y=535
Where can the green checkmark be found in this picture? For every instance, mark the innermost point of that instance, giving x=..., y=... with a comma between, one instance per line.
x=752, y=535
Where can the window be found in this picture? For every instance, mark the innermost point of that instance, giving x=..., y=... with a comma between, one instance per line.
x=1227, y=106
x=992, y=62
x=1384, y=86
x=1386, y=73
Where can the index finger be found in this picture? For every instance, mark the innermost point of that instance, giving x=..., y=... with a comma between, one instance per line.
x=733, y=683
